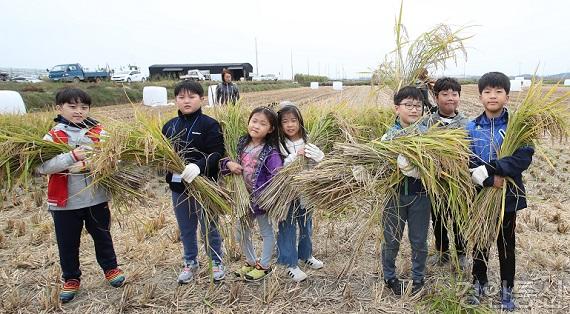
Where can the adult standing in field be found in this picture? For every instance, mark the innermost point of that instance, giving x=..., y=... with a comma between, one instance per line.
x=227, y=92
x=447, y=93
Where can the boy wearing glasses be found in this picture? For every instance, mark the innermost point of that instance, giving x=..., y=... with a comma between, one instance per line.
x=410, y=205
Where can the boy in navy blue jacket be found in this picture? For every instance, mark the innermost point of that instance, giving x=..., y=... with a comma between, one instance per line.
x=487, y=132
x=199, y=141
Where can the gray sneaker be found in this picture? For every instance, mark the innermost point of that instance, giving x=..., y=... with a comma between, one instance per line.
x=438, y=259
x=187, y=273
x=478, y=291
x=218, y=271
x=463, y=262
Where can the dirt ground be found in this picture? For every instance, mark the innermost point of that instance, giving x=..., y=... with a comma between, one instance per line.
x=148, y=250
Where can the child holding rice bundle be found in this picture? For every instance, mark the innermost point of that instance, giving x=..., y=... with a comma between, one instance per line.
x=258, y=162
x=293, y=143
x=198, y=139
x=447, y=95
x=411, y=205
x=72, y=199
x=487, y=133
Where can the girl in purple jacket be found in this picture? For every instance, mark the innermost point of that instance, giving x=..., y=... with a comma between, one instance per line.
x=258, y=162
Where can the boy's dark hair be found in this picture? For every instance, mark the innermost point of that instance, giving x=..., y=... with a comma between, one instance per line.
x=224, y=72
x=297, y=113
x=446, y=83
x=496, y=80
x=407, y=92
x=72, y=95
x=271, y=138
x=190, y=87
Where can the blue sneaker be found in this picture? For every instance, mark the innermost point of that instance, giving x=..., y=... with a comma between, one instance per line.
x=507, y=300
x=478, y=291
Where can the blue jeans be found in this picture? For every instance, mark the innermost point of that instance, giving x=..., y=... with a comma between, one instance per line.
x=188, y=212
x=289, y=251
x=415, y=209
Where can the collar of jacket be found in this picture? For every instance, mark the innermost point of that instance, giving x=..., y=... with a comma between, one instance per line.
x=448, y=117
x=482, y=119
x=85, y=124
x=190, y=116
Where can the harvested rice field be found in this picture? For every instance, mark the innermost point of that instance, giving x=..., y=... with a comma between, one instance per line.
x=149, y=251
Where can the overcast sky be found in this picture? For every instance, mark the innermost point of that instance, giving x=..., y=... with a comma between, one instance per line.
x=325, y=37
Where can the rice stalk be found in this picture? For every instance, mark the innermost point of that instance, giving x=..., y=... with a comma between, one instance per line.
x=539, y=115
x=430, y=50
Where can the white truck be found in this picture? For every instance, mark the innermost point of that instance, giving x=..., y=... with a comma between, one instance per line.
x=197, y=75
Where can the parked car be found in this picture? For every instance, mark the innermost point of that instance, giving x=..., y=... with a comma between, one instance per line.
x=265, y=77
x=74, y=72
x=128, y=76
x=196, y=75
x=25, y=79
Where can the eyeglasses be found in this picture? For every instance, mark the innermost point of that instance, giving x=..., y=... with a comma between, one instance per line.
x=412, y=105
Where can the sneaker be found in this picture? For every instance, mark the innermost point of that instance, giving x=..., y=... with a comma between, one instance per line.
x=395, y=285
x=417, y=286
x=507, y=300
x=438, y=259
x=314, y=263
x=243, y=270
x=69, y=290
x=115, y=277
x=218, y=271
x=296, y=274
x=478, y=291
x=463, y=262
x=257, y=273
x=187, y=273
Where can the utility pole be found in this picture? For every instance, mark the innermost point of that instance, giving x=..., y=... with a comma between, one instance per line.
x=256, y=61
x=292, y=73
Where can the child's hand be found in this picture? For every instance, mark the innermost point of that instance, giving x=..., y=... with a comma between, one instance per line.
x=498, y=182
x=234, y=167
x=301, y=152
x=81, y=152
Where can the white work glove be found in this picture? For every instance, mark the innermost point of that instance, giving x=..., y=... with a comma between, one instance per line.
x=313, y=152
x=80, y=166
x=479, y=174
x=191, y=171
x=407, y=169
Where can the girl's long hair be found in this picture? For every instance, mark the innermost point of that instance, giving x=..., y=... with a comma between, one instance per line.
x=297, y=113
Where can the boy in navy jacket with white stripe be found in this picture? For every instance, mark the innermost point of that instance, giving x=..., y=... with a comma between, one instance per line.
x=198, y=139
x=486, y=133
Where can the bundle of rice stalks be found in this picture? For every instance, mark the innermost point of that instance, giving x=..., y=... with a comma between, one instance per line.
x=365, y=123
x=144, y=145
x=357, y=172
x=23, y=150
x=322, y=130
x=431, y=50
x=233, y=120
x=21, y=153
x=539, y=115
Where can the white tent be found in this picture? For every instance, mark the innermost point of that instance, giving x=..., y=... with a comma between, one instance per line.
x=11, y=102
x=155, y=96
x=526, y=83
x=519, y=78
x=566, y=82
x=314, y=85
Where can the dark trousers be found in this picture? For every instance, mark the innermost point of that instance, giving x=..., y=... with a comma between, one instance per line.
x=506, y=249
x=441, y=234
x=68, y=228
